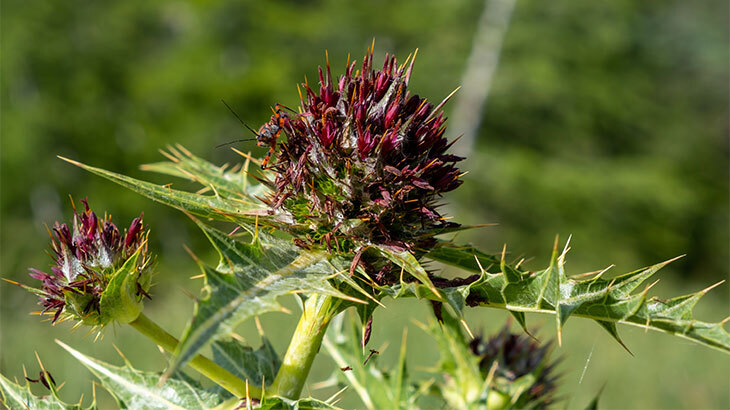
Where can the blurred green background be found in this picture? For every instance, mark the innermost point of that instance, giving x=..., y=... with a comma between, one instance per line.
x=607, y=120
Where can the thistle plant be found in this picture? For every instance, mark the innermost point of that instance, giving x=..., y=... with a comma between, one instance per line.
x=344, y=213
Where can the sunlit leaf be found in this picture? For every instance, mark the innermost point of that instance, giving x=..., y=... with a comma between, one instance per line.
x=211, y=205
x=607, y=301
x=15, y=396
x=135, y=389
x=247, y=282
x=256, y=366
x=229, y=182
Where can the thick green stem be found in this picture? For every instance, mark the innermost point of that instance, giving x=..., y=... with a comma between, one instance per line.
x=304, y=345
x=202, y=364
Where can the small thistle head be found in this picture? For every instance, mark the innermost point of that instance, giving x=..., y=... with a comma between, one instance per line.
x=365, y=161
x=517, y=356
x=99, y=275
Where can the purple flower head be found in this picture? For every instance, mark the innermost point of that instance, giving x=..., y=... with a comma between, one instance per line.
x=364, y=161
x=87, y=257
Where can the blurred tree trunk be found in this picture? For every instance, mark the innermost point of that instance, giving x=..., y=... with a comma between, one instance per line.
x=480, y=67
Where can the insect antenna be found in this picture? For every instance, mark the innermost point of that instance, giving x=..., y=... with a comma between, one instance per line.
x=244, y=124
x=234, y=141
x=286, y=108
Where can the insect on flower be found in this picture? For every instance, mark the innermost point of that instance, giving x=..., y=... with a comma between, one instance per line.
x=268, y=134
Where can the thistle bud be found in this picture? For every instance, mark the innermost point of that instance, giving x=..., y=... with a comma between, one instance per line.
x=99, y=274
x=518, y=358
x=364, y=161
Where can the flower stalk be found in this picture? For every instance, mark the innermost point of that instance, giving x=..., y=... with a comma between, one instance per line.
x=305, y=343
x=202, y=364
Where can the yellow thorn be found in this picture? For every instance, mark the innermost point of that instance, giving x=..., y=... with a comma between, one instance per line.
x=119, y=352
x=481, y=269
x=70, y=161
x=667, y=262
x=13, y=282
x=190, y=252
x=651, y=285
x=259, y=328
x=466, y=327
x=184, y=150
x=39, y=361
x=610, y=284
x=188, y=294
x=598, y=273
x=402, y=66
x=438, y=107
x=560, y=335
x=709, y=288
x=490, y=375
x=567, y=244
x=168, y=156
x=247, y=156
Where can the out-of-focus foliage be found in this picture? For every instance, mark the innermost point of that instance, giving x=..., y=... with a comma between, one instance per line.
x=607, y=120
x=610, y=121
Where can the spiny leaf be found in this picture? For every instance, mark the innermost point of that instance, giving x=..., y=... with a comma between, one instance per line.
x=407, y=261
x=256, y=366
x=15, y=396
x=134, y=389
x=465, y=257
x=278, y=403
x=247, y=282
x=607, y=301
x=229, y=183
x=206, y=206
